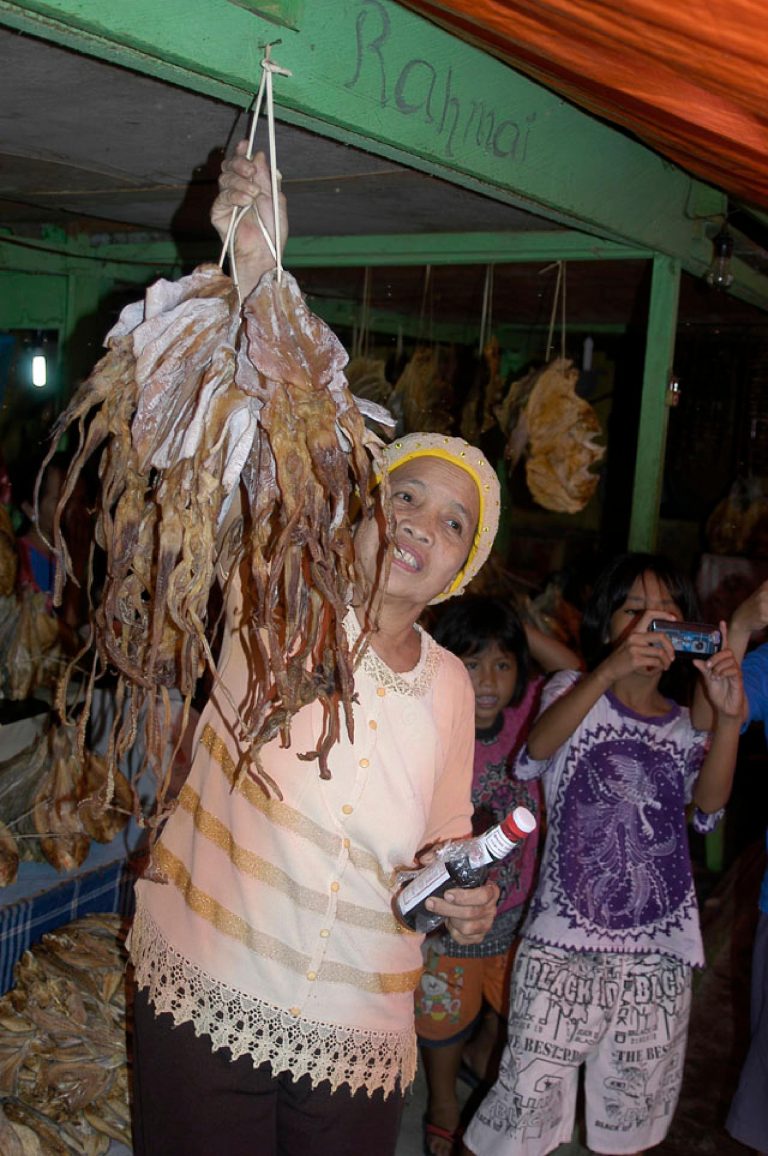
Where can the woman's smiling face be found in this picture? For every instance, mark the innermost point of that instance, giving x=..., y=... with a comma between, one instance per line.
x=436, y=507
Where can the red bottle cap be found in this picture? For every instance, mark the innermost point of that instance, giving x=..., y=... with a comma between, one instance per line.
x=519, y=824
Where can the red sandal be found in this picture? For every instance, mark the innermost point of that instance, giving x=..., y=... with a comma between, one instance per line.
x=439, y=1133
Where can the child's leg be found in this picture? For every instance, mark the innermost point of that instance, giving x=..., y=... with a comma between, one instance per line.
x=483, y=1051
x=555, y=1018
x=441, y=1068
x=447, y=1003
x=633, y=1080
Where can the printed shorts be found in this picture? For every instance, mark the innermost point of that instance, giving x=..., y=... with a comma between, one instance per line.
x=451, y=991
x=624, y=1017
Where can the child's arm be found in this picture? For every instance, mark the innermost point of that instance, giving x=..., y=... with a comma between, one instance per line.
x=749, y=616
x=638, y=650
x=549, y=652
x=722, y=676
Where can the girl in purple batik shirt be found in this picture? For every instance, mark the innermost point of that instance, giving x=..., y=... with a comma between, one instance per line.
x=602, y=978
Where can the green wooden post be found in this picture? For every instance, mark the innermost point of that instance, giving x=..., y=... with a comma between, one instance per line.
x=652, y=432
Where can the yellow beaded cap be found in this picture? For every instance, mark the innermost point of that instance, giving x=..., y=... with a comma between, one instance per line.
x=474, y=462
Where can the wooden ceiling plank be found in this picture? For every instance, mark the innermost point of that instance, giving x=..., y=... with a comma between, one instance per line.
x=371, y=73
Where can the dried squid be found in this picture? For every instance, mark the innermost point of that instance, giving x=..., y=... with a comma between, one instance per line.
x=563, y=428
x=543, y=417
x=424, y=391
x=199, y=401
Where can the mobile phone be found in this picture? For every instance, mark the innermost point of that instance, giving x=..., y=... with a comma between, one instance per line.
x=698, y=639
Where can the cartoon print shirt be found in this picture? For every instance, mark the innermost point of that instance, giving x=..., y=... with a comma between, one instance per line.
x=616, y=872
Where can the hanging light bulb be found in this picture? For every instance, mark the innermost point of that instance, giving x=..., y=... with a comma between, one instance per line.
x=39, y=369
x=719, y=274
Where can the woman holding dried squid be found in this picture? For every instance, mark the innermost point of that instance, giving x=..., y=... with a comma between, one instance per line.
x=274, y=1003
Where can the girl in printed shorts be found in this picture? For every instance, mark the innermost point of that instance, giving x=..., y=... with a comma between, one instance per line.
x=496, y=648
x=602, y=978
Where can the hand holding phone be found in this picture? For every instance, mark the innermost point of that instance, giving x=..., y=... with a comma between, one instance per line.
x=698, y=639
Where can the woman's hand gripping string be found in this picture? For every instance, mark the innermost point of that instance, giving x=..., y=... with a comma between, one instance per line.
x=246, y=183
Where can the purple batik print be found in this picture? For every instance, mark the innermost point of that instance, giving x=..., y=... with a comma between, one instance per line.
x=623, y=859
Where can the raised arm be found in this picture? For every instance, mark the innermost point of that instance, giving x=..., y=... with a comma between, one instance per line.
x=722, y=676
x=549, y=652
x=749, y=616
x=246, y=184
x=638, y=651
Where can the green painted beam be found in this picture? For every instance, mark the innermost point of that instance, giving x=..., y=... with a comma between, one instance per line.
x=288, y=13
x=33, y=301
x=654, y=412
x=345, y=313
x=373, y=74
x=314, y=252
x=456, y=249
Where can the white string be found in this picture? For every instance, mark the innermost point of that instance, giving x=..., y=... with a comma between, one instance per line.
x=562, y=322
x=553, y=315
x=273, y=169
x=426, y=290
x=275, y=246
x=485, y=316
x=361, y=341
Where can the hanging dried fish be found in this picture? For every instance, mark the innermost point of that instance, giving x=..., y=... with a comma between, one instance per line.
x=512, y=419
x=562, y=428
x=424, y=391
x=478, y=410
x=543, y=417
x=30, y=645
x=367, y=378
x=55, y=808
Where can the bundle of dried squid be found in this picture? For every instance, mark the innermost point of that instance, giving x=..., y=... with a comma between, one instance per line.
x=197, y=399
x=63, y=1068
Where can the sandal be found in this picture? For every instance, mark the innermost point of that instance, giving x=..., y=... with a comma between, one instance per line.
x=451, y=1137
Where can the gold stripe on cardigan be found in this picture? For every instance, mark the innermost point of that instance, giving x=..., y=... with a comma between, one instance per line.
x=285, y=816
x=226, y=922
x=252, y=865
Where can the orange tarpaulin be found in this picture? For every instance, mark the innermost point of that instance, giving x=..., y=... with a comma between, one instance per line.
x=687, y=77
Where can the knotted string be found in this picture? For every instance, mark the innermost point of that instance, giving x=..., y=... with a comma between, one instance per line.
x=268, y=68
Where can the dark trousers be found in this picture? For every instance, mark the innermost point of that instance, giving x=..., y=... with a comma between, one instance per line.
x=190, y=1100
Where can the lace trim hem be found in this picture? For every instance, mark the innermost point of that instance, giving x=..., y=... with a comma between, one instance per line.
x=249, y=1026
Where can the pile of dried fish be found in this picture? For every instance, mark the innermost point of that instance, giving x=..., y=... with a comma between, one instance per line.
x=63, y=1069
x=196, y=400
